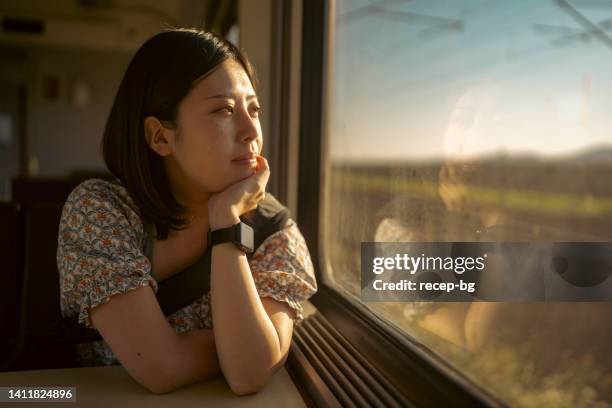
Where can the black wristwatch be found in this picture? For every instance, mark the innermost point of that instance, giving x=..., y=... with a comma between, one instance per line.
x=241, y=234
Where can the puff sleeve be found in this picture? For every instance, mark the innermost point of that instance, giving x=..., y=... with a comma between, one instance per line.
x=282, y=269
x=99, y=251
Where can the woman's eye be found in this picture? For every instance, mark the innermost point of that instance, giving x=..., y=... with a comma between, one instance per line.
x=230, y=110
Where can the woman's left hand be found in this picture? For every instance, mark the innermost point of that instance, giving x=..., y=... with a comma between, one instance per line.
x=225, y=208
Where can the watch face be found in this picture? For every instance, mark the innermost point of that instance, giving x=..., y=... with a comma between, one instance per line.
x=247, y=236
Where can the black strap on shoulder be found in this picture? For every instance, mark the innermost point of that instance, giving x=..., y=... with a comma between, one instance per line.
x=185, y=287
x=271, y=216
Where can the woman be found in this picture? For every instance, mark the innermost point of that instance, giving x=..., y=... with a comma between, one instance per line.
x=183, y=140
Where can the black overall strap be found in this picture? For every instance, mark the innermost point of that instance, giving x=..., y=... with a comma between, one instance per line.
x=192, y=283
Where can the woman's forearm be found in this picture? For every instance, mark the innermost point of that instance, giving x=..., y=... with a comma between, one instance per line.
x=199, y=360
x=248, y=346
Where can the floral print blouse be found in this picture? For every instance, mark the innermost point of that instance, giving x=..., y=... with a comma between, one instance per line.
x=101, y=254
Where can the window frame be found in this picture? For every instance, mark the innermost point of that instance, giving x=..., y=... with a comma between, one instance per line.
x=414, y=369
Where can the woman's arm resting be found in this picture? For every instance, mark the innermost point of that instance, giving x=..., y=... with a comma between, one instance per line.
x=252, y=335
x=280, y=314
x=147, y=346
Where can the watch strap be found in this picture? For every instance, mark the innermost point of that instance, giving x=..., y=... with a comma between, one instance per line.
x=222, y=235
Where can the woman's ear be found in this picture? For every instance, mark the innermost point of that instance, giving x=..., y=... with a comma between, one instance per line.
x=159, y=138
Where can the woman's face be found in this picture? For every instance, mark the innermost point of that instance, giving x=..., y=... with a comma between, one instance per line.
x=218, y=123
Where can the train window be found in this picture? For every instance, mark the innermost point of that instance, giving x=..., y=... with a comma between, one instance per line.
x=476, y=121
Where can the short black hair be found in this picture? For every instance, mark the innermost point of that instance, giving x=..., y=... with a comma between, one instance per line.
x=159, y=76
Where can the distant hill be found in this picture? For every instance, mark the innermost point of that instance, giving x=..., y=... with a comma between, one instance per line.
x=601, y=154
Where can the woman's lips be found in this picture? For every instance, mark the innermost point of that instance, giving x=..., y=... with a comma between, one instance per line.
x=249, y=159
x=246, y=162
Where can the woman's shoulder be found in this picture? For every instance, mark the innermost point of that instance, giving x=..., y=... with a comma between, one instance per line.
x=99, y=248
x=102, y=201
x=102, y=194
x=101, y=190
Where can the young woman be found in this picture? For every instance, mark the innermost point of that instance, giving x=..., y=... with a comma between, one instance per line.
x=183, y=140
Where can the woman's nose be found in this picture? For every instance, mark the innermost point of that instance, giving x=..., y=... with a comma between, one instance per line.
x=249, y=128
x=250, y=135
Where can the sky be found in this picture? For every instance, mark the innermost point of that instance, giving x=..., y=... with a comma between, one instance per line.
x=421, y=80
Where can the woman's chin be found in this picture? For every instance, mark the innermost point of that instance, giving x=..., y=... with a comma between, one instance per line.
x=236, y=177
x=244, y=173
x=233, y=175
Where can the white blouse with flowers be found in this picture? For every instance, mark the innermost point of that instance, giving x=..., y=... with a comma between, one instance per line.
x=101, y=254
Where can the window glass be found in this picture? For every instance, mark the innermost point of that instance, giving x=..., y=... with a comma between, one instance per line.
x=477, y=120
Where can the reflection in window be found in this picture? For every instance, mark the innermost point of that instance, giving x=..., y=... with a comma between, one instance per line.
x=478, y=121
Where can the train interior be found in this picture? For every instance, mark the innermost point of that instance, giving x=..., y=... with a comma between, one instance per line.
x=385, y=121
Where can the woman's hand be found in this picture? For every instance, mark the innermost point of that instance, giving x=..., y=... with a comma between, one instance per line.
x=225, y=208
